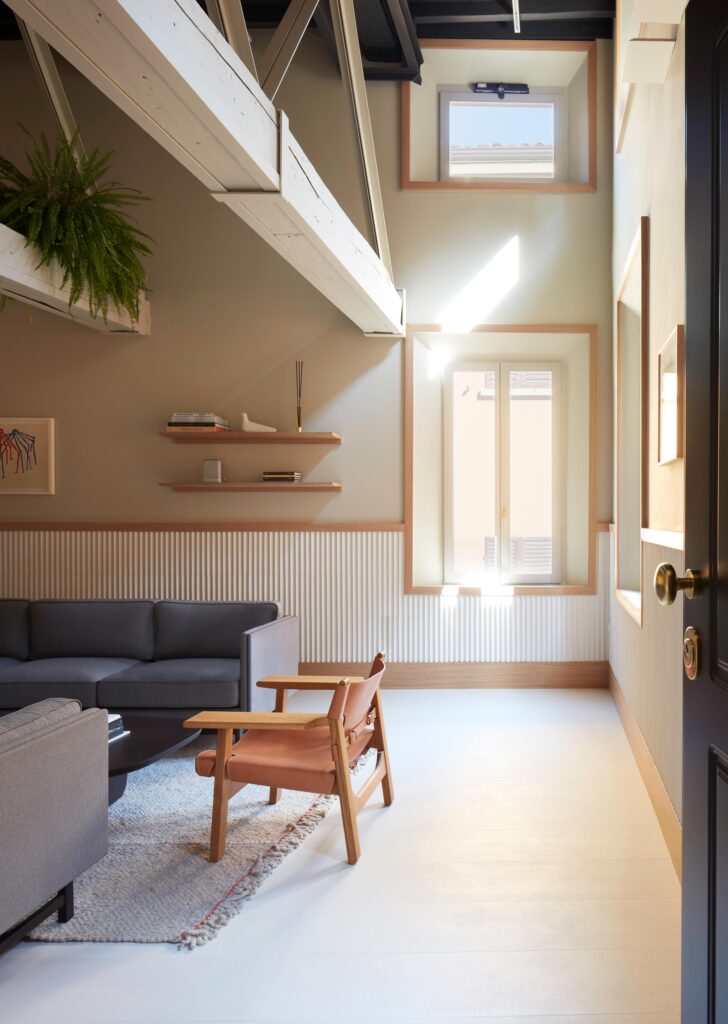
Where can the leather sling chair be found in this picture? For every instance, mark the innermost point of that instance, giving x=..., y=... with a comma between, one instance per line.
x=313, y=753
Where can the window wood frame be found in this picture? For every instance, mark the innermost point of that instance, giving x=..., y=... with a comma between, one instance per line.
x=590, y=185
x=627, y=597
x=593, y=527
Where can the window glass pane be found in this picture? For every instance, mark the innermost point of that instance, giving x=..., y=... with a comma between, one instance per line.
x=474, y=548
x=530, y=415
x=501, y=139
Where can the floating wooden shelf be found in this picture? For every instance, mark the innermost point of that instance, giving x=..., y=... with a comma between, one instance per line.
x=250, y=437
x=251, y=486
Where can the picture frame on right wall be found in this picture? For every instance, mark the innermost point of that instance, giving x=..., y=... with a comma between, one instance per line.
x=670, y=388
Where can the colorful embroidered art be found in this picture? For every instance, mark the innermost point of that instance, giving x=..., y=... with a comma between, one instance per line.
x=16, y=447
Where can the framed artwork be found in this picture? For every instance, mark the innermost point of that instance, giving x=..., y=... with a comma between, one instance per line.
x=670, y=373
x=27, y=455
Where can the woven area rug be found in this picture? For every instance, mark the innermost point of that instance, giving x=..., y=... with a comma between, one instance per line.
x=156, y=883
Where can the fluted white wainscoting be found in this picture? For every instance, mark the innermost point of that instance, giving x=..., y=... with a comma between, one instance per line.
x=346, y=587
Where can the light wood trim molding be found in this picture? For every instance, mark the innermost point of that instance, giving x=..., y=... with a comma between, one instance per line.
x=557, y=187
x=632, y=607
x=666, y=814
x=592, y=102
x=640, y=246
x=451, y=675
x=566, y=45
x=409, y=347
x=406, y=133
x=623, y=118
x=198, y=527
x=559, y=590
x=588, y=47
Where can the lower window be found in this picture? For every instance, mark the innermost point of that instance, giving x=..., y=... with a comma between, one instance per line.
x=502, y=473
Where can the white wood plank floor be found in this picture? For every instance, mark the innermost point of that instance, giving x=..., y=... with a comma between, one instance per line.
x=520, y=877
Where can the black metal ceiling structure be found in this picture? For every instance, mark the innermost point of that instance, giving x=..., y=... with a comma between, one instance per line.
x=389, y=30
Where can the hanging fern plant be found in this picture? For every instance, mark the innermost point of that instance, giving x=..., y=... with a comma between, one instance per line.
x=68, y=215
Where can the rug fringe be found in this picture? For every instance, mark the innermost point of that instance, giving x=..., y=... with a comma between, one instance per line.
x=231, y=904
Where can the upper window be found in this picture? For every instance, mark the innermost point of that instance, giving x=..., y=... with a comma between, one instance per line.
x=493, y=116
x=519, y=138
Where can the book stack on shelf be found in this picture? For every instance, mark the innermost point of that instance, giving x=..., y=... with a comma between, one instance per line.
x=116, y=727
x=197, y=423
x=283, y=476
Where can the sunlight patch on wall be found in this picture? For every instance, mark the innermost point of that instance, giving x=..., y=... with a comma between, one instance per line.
x=482, y=294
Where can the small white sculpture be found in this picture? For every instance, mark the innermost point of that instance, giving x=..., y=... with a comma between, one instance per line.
x=248, y=425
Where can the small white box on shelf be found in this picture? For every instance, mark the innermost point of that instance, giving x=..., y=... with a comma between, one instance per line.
x=212, y=471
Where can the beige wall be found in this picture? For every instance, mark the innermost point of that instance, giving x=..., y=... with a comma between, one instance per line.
x=649, y=179
x=230, y=317
x=229, y=320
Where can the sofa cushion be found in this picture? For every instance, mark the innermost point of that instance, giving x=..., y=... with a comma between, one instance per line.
x=7, y=662
x=14, y=629
x=92, y=629
x=207, y=629
x=178, y=683
x=36, y=718
x=30, y=681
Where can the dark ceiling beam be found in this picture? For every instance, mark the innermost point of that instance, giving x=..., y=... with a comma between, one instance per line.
x=542, y=30
x=406, y=70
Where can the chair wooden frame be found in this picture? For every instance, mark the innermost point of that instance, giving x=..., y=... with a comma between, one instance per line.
x=226, y=722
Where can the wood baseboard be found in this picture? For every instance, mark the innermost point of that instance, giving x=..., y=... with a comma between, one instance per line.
x=470, y=675
x=666, y=815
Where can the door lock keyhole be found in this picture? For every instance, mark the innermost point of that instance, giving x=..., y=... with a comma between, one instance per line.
x=691, y=652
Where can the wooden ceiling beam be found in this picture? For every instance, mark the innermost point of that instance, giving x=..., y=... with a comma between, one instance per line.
x=228, y=18
x=167, y=67
x=282, y=48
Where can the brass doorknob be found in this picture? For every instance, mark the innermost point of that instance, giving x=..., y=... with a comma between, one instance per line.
x=668, y=583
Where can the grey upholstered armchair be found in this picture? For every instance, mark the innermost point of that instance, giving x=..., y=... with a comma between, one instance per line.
x=53, y=809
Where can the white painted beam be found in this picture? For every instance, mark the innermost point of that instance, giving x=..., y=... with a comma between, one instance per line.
x=228, y=18
x=22, y=279
x=44, y=65
x=352, y=72
x=171, y=71
x=647, y=61
x=282, y=47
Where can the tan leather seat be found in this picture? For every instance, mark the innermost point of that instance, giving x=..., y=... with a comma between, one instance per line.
x=294, y=760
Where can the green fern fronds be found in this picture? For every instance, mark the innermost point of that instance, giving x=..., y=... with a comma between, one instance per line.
x=67, y=214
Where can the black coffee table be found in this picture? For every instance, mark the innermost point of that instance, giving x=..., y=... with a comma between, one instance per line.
x=149, y=740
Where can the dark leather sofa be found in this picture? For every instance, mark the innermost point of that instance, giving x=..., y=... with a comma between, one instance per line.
x=145, y=657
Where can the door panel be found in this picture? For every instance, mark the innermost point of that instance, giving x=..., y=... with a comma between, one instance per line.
x=719, y=883
x=705, y=699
